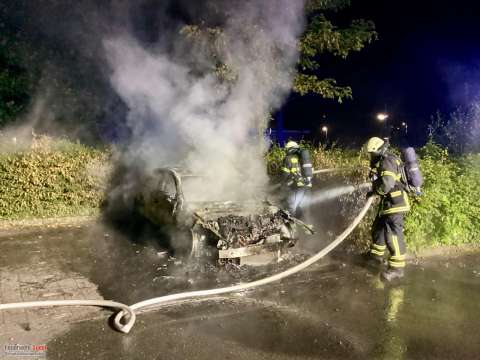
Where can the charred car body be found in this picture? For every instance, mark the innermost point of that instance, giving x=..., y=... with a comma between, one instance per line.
x=242, y=232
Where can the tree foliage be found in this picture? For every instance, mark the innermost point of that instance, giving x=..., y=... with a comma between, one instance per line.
x=327, y=88
x=320, y=38
x=323, y=37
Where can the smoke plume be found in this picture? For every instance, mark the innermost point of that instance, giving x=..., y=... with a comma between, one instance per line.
x=180, y=114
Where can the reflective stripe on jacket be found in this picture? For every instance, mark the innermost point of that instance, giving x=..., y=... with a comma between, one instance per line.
x=389, y=186
x=292, y=171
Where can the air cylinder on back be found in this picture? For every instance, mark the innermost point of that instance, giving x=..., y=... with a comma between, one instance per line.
x=307, y=168
x=412, y=168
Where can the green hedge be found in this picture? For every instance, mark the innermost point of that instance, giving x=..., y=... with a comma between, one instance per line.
x=448, y=213
x=60, y=178
x=51, y=179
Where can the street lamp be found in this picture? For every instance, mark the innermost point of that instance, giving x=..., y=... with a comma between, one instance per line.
x=382, y=117
x=325, y=130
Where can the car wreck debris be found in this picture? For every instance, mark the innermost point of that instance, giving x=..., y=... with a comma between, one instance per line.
x=222, y=231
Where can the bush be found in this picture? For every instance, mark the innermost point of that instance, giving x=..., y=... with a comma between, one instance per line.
x=50, y=179
x=448, y=213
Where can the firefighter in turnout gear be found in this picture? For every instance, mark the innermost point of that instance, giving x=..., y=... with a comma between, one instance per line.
x=387, y=229
x=297, y=174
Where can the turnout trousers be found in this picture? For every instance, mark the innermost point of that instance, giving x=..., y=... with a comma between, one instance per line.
x=387, y=233
x=296, y=200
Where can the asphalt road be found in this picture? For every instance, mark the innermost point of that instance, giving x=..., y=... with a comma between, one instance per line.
x=337, y=309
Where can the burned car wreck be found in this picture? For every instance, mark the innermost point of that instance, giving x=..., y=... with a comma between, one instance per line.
x=251, y=232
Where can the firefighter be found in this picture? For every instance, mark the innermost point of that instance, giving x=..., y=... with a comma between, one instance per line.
x=387, y=229
x=297, y=173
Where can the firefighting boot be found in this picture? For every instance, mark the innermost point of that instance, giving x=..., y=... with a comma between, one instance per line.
x=393, y=273
x=372, y=260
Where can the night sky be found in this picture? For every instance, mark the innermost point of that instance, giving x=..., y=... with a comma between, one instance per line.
x=426, y=59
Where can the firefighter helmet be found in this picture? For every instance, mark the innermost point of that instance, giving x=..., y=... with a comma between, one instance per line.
x=292, y=145
x=375, y=145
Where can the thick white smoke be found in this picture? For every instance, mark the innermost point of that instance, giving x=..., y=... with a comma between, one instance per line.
x=179, y=117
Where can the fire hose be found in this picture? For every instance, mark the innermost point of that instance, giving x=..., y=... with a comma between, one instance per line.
x=125, y=318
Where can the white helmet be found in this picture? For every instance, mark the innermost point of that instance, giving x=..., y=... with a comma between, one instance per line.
x=292, y=145
x=375, y=146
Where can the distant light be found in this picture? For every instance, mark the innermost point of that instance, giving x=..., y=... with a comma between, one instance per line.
x=324, y=129
x=382, y=116
x=404, y=124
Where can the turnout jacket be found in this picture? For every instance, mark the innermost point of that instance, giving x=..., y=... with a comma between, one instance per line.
x=386, y=171
x=292, y=172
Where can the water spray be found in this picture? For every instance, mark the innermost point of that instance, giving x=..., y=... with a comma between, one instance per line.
x=330, y=194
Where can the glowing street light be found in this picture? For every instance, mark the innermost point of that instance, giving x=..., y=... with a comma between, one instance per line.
x=382, y=116
x=325, y=130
